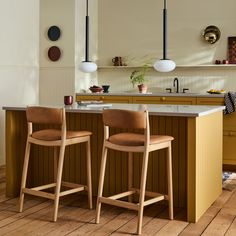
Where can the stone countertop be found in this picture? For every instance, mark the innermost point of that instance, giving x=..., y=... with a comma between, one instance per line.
x=154, y=94
x=154, y=109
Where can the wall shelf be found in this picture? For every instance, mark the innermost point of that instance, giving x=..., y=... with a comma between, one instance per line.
x=178, y=66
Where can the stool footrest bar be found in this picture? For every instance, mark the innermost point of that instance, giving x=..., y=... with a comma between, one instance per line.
x=114, y=202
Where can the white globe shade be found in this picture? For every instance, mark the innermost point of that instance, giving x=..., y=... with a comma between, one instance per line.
x=164, y=65
x=88, y=67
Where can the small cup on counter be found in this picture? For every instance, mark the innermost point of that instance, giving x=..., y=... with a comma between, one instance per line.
x=68, y=100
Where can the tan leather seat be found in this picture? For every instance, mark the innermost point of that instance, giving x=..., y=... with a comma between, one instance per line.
x=53, y=134
x=59, y=139
x=133, y=142
x=131, y=139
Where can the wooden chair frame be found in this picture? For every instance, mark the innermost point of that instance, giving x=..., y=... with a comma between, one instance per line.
x=113, y=200
x=58, y=167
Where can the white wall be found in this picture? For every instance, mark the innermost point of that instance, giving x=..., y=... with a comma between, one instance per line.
x=19, y=42
x=57, y=78
x=133, y=30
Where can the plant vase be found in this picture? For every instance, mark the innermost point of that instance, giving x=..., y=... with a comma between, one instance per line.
x=142, y=88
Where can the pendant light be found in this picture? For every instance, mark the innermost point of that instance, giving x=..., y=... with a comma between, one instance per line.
x=164, y=64
x=86, y=65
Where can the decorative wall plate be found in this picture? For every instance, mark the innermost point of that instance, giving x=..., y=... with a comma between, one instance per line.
x=54, y=33
x=232, y=50
x=54, y=53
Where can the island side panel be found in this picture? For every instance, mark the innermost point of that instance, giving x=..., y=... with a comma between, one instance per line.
x=204, y=163
x=15, y=134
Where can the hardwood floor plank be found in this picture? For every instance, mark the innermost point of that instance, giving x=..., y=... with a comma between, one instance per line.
x=115, y=223
x=221, y=222
x=231, y=202
x=199, y=227
x=69, y=221
x=14, y=220
x=131, y=226
x=107, y=214
x=41, y=221
x=223, y=198
x=232, y=229
x=174, y=227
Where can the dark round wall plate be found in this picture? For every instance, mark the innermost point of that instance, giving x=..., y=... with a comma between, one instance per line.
x=54, y=33
x=54, y=53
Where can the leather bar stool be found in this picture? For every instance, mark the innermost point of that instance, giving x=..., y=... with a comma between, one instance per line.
x=133, y=142
x=57, y=138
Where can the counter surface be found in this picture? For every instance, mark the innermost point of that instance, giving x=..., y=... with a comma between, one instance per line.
x=154, y=109
x=158, y=94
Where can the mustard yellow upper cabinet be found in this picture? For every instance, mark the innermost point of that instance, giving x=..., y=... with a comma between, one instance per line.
x=165, y=100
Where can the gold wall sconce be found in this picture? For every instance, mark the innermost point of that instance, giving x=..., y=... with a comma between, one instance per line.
x=211, y=34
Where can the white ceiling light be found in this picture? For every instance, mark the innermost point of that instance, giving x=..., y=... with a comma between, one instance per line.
x=86, y=65
x=164, y=64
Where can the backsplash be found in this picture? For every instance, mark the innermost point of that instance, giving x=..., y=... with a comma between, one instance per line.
x=196, y=79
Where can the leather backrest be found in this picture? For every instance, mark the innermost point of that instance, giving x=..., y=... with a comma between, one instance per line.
x=124, y=119
x=44, y=115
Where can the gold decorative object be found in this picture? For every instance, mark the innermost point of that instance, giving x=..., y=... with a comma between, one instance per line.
x=211, y=34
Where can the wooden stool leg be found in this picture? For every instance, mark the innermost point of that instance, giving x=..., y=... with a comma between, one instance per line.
x=89, y=178
x=130, y=174
x=101, y=183
x=169, y=179
x=55, y=162
x=142, y=191
x=24, y=175
x=58, y=182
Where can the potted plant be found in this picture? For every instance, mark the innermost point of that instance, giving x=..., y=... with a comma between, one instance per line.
x=137, y=77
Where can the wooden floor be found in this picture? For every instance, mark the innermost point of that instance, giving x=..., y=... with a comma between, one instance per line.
x=75, y=219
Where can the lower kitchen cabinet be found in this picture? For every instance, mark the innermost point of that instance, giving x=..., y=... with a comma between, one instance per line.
x=229, y=131
x=106, y=99
x=165, y=100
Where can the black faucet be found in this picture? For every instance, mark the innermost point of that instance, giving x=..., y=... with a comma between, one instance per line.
x=177, y=84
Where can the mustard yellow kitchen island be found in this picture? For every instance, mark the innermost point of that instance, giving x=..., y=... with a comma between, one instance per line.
x=196, y=151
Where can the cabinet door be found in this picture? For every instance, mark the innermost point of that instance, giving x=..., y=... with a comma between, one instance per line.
x=210, y=101
x=229, y=130
x=229, y=147
x=87, y=98
x=146, y=100
x=104, y=98
x=165, y=100
x=178, y=100
x=117, y=99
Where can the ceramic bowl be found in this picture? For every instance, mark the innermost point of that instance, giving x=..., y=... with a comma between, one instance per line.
x=96, y=89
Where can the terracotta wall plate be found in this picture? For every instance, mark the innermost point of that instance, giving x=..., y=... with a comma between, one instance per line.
x=54, y=33
x=54, y=53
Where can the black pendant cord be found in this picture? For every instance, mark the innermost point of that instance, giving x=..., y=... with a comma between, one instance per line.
x=87, y=34
x=164, y=30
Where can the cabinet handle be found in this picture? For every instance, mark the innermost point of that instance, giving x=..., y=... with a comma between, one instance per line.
x=163, y=98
